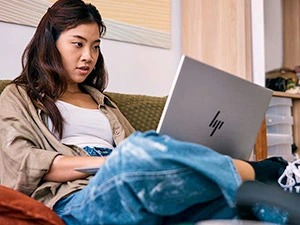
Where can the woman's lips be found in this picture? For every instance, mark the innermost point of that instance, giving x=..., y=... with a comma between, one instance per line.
x=83, y=69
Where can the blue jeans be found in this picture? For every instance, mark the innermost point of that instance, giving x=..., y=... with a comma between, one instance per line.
x=95, y=151
x=154, y=179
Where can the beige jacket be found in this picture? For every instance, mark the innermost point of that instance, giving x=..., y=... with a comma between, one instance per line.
x=28, y=147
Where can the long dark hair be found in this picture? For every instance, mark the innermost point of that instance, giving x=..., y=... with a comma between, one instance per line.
x=43, y=75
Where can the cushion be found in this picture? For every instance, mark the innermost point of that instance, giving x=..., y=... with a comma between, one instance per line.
x=19, y=209
x=3, y=84
x=142, y=111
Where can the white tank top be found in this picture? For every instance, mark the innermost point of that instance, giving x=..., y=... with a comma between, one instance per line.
x=84, y=127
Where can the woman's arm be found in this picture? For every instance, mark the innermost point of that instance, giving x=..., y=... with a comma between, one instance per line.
x=62, y=168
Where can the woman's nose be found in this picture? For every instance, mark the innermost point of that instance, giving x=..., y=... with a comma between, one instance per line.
x=87, y=56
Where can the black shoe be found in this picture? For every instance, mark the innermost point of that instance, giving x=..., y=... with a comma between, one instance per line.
x=269, y=170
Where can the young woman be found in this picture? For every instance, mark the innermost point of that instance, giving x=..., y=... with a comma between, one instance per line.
x=54, y=117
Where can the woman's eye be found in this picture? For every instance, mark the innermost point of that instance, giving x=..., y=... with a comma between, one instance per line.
x=96, y=47
x=77, y=44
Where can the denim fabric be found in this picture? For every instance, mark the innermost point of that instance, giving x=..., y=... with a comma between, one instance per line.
x=270, y=214
x=95, y=151
x=151, y=177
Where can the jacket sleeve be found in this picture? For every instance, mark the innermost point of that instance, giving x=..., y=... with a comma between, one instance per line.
x=24, y=159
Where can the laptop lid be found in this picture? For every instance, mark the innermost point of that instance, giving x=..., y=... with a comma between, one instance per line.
x=214, y=108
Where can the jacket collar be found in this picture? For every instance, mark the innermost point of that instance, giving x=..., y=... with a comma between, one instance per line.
x=99, y=97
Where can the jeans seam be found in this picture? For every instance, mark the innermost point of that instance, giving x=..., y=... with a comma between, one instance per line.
x=107, y=184
x=147, y=174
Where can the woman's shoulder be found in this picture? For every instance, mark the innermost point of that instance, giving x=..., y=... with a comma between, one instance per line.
x=13, y=93
x=13, y=89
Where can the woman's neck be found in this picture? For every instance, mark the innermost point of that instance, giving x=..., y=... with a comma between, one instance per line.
x=73, y=89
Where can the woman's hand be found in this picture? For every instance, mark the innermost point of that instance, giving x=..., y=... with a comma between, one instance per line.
x=62, y=168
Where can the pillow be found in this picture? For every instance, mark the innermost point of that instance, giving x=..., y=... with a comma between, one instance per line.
x=19, y=209
x=142, y=111
x=3, y=84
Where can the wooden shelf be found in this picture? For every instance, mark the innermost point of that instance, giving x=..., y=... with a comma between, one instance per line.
x=287, y=95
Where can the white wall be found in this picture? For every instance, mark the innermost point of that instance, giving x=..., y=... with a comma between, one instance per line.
x=132, y=68
x=148, y=70
x=257, y=32
x=267, y=37
x=273, y=34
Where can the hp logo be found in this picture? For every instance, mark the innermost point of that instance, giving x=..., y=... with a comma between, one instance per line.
x=216, y=124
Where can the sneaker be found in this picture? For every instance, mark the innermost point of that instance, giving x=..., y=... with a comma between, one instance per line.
x=290, y=178
x=269, y=170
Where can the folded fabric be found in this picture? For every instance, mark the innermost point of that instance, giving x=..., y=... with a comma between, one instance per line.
x=19, y=209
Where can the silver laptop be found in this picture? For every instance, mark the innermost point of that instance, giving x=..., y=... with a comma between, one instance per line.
x=214, y=108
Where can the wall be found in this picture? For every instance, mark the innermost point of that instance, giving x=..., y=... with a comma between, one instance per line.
x=267, y=37
x=132, y=68
x=273, y=34
x=147, y=70
x=257, y=38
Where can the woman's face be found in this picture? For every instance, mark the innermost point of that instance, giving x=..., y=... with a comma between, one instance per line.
x=79, y=50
